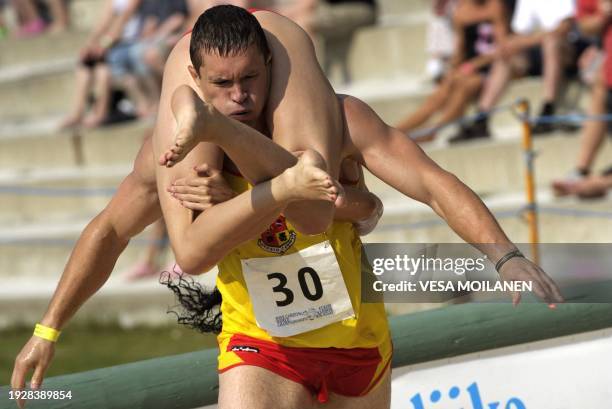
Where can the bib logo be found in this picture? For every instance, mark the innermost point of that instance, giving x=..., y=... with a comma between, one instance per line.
x=278, y=238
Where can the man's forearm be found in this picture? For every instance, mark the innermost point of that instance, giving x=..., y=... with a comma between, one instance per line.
x=88, y=268
x=225, y=226
x=467, y=215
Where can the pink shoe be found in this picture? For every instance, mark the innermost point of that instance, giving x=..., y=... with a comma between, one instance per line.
x=139, y=271
x=31, y=29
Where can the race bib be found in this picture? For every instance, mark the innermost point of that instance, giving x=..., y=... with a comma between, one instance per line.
x=298, y=292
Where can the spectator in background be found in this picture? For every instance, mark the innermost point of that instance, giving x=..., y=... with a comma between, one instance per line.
x=440, y=41
x=162, y=25
x=478, y=25
x=540, y=30
x=594, y=19
x=59, y=16
x=3, y=28
x=31, y=22
x=104, y=54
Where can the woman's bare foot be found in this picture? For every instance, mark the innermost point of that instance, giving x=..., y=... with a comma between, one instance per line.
x=306, y=181
x=194, y=118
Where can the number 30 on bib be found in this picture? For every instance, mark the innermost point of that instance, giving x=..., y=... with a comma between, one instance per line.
x=299, y=292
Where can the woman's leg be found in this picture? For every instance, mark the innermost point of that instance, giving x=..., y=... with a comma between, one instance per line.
x=298, y=82
x=303, y=110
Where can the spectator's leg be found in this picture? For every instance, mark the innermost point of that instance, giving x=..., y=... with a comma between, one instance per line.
x=83, y=80
x=102, y=79
x=31, y=23
x=588, y=188
x=432, y=104
x=146, y=85
x=150, y=265
x=59, y=13
x=551, y=51
x=495, y=85
x=465, y=90
x=3, y=29
x=132, y=86
x=594, y=132
x=153, y=58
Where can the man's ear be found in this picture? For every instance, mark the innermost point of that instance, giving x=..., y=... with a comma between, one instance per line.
x=194, y=74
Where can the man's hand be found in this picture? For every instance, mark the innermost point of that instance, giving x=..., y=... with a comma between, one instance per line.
x=365, y=227
x=204, y=189
x=521, y=269
x=37, y=355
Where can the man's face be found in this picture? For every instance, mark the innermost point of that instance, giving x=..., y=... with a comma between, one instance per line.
x=236, y=85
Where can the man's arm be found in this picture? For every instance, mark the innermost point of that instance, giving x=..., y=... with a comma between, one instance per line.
x=133, y=207
x=401, y=163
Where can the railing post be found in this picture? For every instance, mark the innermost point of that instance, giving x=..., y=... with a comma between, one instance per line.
x=531, y=211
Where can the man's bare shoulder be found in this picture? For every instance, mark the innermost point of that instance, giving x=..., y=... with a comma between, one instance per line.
x=359, y=114
x=363, y=126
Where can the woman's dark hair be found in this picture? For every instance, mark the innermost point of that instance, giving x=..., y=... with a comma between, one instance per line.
x=198, y=307
x=226, y=30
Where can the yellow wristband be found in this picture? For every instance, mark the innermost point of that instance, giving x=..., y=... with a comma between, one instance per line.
x=46, y=333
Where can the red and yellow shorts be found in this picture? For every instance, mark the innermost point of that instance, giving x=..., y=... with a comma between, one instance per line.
x=347, y=372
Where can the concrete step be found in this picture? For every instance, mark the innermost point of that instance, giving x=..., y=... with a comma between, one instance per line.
x=54, y=192
x=388, y=52
x=396, y=98
x=496, y=166
x=41, y=49
x=37, y=95
x=402, y=7
x=51, y=243
x=50, y=256
x=144, y=302
x=110, y=145
x=560, y=221
x=48, y=203
x=40, y=251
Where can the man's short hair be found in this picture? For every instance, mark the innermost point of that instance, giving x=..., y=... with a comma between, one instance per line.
x=225, y=30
